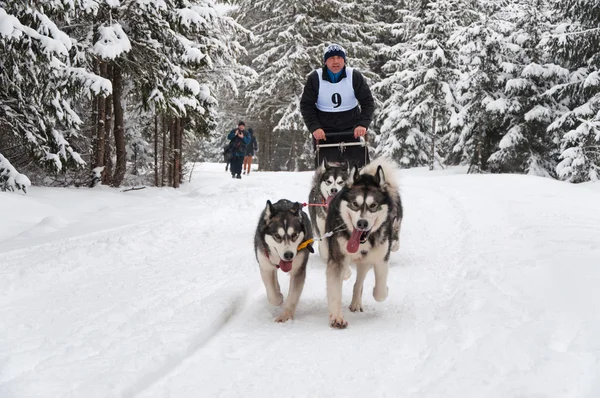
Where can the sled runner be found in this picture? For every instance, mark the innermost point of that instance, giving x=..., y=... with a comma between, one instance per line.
x=341, y=147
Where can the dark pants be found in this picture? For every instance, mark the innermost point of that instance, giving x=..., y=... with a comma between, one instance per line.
x=353, y=155
x=236, y=165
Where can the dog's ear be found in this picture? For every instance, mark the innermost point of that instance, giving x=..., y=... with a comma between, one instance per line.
x=353, y=176
x=380, y=177
x=325, y=165
x=346, y=166
x=269, y=210
x=310, y=248
x=296, y=208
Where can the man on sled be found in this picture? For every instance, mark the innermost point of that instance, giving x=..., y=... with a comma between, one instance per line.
x=337, y=107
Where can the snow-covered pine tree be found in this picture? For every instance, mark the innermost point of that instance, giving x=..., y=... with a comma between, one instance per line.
x=421, y=84
x=527, y=146
x=289, y=43
x=482, y=53
x=10, y=178
x=391, y=36
x=576, y=44
x=169, y=55
x=40, y=84
x=221, y=41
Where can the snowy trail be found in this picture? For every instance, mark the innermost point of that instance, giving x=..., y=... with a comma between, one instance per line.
x=493, y=293
x=95, y=291
x=399, y=316
x=448, y=310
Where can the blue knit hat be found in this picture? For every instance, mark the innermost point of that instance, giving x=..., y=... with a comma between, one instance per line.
x=332, y=50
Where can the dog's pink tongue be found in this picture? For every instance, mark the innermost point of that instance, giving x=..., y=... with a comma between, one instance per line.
x=285, y=266
x=329, y=199
x=354, y=241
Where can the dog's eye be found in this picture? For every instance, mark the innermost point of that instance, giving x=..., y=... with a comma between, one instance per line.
x=373, y=206
x=276, y=237
x=342, y=183
x=328, y=182
x=294, y=236
x=355, y=203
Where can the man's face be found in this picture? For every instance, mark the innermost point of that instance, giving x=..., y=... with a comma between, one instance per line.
x=241, y=127
x=335, y=63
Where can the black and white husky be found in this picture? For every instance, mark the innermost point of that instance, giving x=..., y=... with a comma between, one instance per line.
x=327, y=181
x=283, y=227
x=365, y=217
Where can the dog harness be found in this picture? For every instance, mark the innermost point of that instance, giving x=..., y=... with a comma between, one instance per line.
x=309, y=241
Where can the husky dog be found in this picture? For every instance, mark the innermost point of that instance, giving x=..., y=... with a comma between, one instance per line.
x=282, y=227
x=365, y=217
x=327, y=181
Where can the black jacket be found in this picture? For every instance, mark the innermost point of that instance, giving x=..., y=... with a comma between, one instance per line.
x=337, y=121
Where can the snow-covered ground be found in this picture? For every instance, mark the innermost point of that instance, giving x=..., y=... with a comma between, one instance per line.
x=495, y=292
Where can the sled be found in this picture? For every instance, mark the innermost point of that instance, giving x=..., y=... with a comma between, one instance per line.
x=341, y=147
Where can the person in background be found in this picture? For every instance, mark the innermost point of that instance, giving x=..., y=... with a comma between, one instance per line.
x=227, y=155
x=250, y=149
x=239, y=141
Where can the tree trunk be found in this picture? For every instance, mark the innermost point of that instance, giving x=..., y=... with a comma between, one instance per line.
x=99, y=117
x=181, y=127
x=164, y=151
x=293, y=156
x=108, y=163
x=479, y=152
x=101, y=132
x=170, y=152
x=155, y=148
x=121, y=165
x=432, y=159
x=270, y=149
x=176, y=152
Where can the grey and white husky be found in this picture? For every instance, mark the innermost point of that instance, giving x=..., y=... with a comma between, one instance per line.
x=365, y=217
x=282, y=227
x=327, y=181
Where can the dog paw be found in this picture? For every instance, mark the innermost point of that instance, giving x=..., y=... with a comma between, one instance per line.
x=337, y=322
x=356, y=307
x=276, y=300
x=395, y=246
x=380, y=294
x=347, y=273
x=284, y=317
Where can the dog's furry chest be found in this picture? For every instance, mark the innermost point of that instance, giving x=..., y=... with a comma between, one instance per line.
x=321, y=223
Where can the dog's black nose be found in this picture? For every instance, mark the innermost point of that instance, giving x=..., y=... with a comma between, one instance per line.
x=362, y=224
x=333, y=190
x=288, y=256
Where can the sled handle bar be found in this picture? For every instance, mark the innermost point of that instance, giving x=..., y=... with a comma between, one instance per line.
x=343, y=134
x=347, y=133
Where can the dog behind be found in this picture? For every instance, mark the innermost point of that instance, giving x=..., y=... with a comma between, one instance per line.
x=282, y=227
x=365, y=217
x=328, y=180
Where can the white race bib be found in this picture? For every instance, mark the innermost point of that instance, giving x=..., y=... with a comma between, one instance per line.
x=336, y=97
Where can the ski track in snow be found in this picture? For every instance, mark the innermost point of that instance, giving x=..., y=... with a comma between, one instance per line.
x=173, y=306
x=202, y=339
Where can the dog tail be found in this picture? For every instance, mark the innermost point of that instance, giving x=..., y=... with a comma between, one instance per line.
x=390, y=171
